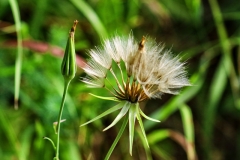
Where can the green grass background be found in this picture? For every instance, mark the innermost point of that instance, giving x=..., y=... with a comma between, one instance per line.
x=203, y=120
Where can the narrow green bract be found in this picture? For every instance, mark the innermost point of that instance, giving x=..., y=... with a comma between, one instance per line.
x=132, y=118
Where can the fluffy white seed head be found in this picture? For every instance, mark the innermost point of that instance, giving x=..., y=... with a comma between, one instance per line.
x=153, y=69
x=112, y=50
x=93, y=82
x=94, y=69
x=101, y=57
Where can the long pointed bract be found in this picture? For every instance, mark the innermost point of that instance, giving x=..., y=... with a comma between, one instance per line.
x=112, y=109
x=122, y=113
x=132, y=118
x=149, y=118
x=141, y=125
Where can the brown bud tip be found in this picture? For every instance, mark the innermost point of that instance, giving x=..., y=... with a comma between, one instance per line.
x=141, y=44
x=74, y=26
x=72, y=31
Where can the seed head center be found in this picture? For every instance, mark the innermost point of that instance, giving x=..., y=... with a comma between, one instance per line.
x=132, y=92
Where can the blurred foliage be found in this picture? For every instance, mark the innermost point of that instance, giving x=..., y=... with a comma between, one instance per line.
x=204, y=119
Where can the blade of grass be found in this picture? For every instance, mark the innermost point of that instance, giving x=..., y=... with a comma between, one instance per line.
x=195, y=10
x=226, y=50
x=188, y=128
x=218, y=85
x=216, y=91
x=89, y=13
x=157, y=136
x=40, y=11
x=18, y=63
x=113, y=20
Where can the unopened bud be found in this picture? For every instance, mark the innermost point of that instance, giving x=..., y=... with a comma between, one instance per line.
x=69, y=67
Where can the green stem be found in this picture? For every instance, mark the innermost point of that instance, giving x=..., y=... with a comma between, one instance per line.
x=66, y=84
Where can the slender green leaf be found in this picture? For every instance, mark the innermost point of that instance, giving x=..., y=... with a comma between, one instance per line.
x=122, y=113
x=105, y=98
x=132, y=118
x=38, y=17
x=216, y=91
x=149, y=118
x=18, y=62
x=93, y=18
x=112, y=109
x=226, y=50
x=188, y=127
x=141, y=126
x=157, y=136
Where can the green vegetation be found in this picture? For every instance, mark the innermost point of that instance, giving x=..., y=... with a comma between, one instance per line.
x=203, y=120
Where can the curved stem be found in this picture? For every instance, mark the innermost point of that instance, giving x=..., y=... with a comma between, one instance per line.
x=50, y=142
x=66, y=84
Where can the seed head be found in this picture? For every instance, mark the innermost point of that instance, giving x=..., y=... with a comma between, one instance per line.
x=151, y=70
